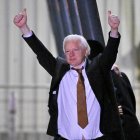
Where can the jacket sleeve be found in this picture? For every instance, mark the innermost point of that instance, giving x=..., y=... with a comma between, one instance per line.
x=131, y=93
x=108, y=57
x=45, y=58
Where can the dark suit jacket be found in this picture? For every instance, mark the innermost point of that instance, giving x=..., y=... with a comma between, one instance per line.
x=126, y=98
x=98, y=73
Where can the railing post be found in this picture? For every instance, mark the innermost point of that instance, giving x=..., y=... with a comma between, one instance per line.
x=12, y=113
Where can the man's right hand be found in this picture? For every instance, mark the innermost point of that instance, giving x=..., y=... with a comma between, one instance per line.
x=20, y=21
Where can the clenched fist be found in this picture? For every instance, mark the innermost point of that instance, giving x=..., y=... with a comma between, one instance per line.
x=21, y=19
x=113, y=21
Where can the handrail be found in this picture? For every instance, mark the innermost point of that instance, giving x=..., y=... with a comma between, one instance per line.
x=29, y=86
x=38, y=86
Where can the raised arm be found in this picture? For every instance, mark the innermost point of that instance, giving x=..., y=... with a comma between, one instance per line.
x=44, y=57
x=109, y=54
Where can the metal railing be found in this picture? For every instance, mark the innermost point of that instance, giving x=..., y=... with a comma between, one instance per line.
x=11, y=101
x=17, y=108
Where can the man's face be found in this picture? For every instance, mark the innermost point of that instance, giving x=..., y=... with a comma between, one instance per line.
x=75, y=54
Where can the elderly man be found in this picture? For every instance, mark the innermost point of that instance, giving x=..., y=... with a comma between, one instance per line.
x=81, y=99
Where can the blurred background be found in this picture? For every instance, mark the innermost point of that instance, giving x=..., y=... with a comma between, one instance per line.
x=24, y=84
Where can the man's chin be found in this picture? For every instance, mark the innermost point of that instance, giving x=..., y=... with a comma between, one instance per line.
x=74, y=64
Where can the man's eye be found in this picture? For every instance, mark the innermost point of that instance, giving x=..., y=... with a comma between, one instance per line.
x=67, y=51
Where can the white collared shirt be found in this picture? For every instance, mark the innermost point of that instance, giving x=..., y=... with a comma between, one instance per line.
x=67, y=109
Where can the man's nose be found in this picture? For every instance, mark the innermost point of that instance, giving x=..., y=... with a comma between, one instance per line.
x=71, y=53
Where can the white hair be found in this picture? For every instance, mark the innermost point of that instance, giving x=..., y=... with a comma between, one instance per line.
x=75, y=37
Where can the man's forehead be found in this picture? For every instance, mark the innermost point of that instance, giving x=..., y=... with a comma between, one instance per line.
x=75, y=43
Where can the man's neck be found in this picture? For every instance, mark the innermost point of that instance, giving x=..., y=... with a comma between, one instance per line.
x=80, y=65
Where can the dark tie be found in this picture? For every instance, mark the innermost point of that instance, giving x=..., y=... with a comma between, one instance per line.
x=81, y=100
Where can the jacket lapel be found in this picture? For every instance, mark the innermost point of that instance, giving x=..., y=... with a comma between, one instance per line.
x=92, y=74
x=61, y=68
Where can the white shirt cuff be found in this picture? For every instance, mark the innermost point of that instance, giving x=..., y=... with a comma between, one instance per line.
x=28, y=34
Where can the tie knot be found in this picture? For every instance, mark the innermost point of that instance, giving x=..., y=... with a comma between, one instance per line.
x=78, y=70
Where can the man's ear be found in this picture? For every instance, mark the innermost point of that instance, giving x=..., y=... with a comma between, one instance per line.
x=87, y=52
